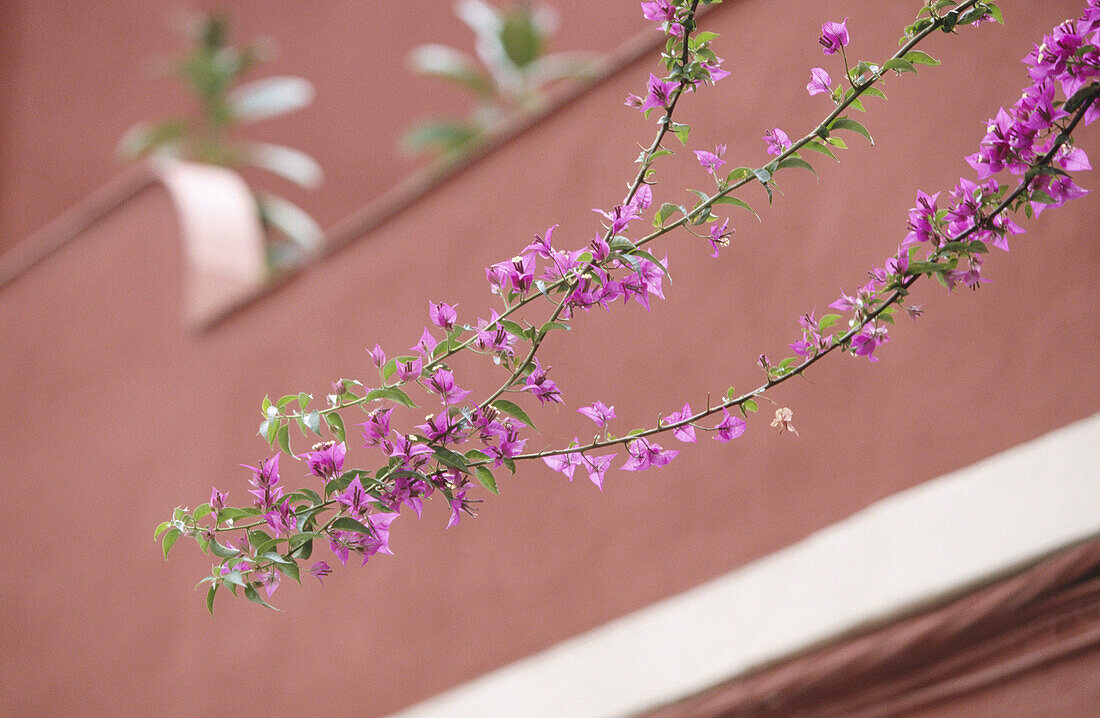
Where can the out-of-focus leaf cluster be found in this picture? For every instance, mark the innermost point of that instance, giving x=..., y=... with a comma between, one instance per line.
x=211, y=72
x=511, y=73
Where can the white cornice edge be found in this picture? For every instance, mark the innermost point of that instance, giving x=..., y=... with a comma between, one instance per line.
x=911, y=549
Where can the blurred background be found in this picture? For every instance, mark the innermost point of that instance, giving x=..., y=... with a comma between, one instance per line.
x=147, y=306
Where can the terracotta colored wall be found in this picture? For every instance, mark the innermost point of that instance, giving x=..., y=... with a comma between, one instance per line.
x=77, y=76
x=113, y=412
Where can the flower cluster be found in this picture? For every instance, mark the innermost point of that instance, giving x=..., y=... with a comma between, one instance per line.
x=1029, y=141
x=458, y=448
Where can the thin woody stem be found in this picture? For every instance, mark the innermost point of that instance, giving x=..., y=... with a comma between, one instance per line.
x=567, y=282
x=899, y=293
x=647, y=159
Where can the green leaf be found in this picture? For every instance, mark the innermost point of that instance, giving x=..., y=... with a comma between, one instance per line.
x=223, y=551
x=1079, y=98
x=764, y=176
x=230, y=513
x=270, y=97
x=251, y=595
x=302, y=551
x=875, y=92
x=290, y=219
x=620, y=243
x=550, y=326
x=827, y=321
x=346, y=523
x=313, y=422
x=388, y=370
x=739, y=174
x=275, y=557
x=451, y=459
x=286, y=162
x=210, y=598
x=664, y=213
x=234, y=577
x=486, y=479
x=898, y=64
x=815, y=146
x=258, y=537
x=846, y=123
x=649, y=258
x=169, y=540
x=750, y=405
x=143, y=138
x=161, y=529
x=796, y=162
x=393, y=394
x=283, y=435
x=305, y=537
x=736, y=202
x=916, y=57
x=520, y=37
x=288, y=568
x=924, y=268
x=452, y=65
x=202, y=511
x=860, y=68
x=507, y=407
x=681, y=131
x=510, y=464
x=336, y=425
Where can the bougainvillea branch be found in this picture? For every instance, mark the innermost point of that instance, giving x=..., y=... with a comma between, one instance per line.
x=354, y=508
x=898, y=289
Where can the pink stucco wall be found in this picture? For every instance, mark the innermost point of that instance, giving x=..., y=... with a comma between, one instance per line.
x=114, y=411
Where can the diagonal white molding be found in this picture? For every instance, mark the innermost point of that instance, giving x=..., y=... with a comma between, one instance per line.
x=911, y=549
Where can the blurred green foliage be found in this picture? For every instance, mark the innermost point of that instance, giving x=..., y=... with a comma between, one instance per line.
x=211, y=71
x=511, y=74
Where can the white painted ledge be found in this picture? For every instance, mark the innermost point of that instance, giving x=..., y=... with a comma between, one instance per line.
x=911, y=549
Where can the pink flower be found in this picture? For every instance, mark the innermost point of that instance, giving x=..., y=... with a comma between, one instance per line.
x=660, y=93
x=378, y=356
x=443, y=384
x=729, y=428
x=720, y=236
x=597, y=467
x=834, y=35
x=685, y=433
x=864, y=343
x=711, y=161
x=326, y=460
x=599, y=413
x=644, y=454
x=777, y=140
x=819, y=81
x=442, y=315
x=564, y=463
